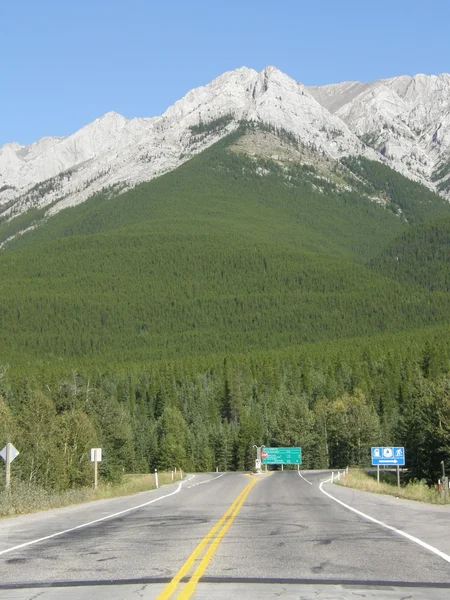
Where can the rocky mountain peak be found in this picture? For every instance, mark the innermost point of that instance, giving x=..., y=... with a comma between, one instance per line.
x=404, y=121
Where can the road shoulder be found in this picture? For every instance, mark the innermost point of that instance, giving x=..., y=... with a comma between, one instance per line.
x=428, y=522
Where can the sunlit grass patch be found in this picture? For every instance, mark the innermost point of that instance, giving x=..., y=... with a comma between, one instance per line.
x=25, y=498
x=413, y=490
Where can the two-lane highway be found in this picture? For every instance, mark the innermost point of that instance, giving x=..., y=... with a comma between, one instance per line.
x=216, y=535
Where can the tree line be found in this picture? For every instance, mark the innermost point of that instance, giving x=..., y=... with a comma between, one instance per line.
x=201, y=414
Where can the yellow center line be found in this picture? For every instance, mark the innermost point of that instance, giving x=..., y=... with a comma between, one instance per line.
x=190, y=586
x=172, y=585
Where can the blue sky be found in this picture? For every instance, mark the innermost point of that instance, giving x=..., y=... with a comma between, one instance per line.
x=66, y=63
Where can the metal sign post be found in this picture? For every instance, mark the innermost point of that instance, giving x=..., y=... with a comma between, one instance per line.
x=96, y=457
x=8, y=453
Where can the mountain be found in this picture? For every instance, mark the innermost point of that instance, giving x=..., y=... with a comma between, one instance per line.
x=230, y=252
x=113, y=152
x=403, y=122
x=261, y=202
x=405, y=119
x=247, y=296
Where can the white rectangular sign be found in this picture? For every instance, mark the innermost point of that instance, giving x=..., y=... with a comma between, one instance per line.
x=96, y=454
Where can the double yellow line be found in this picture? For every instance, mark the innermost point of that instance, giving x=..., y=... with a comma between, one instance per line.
x=211, y=541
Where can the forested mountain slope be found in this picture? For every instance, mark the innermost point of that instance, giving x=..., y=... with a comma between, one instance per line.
x=226, y=254
x=419, y=256
x=246, y=297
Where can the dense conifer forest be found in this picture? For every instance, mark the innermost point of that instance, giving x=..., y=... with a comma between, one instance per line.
x=234, y=301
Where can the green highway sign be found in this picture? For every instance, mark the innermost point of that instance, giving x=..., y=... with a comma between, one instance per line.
x=281, y=456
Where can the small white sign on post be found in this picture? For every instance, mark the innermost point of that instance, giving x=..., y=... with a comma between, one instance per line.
x=96, y=457
x=8, y=453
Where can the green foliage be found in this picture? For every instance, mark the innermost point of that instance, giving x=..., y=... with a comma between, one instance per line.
x=419, y=256
x=334, y=400
x=211, y=126
x=229, y=303
x=414, y=489
x=210, y=258
x=406, y=198
x=9, y=228
x=441, y=173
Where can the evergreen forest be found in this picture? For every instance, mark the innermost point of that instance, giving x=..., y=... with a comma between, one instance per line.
x=231, y=302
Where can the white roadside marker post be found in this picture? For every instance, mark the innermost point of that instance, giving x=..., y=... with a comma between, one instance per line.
x=156, y=479
x=96, y=457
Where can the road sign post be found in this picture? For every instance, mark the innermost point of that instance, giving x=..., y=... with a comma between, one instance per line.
x=96, y=457
x=8, y=453
x=444, y=480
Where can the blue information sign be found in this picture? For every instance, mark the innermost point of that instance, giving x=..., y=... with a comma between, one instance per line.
x=388, y=455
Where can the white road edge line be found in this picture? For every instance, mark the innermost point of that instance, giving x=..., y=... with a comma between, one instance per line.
x=203, y=482
x=122, y=512
x=304, y=478
x=442, y=555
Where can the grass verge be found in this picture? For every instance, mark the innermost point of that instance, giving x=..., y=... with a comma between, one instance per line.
x=25, y=498
x=413, y=490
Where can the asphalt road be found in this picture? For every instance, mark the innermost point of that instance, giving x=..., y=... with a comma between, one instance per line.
x=273, y=536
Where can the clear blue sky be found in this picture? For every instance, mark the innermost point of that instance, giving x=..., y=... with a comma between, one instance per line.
x=65, y=63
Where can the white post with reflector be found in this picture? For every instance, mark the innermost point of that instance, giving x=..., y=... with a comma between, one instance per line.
x=96, y=457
